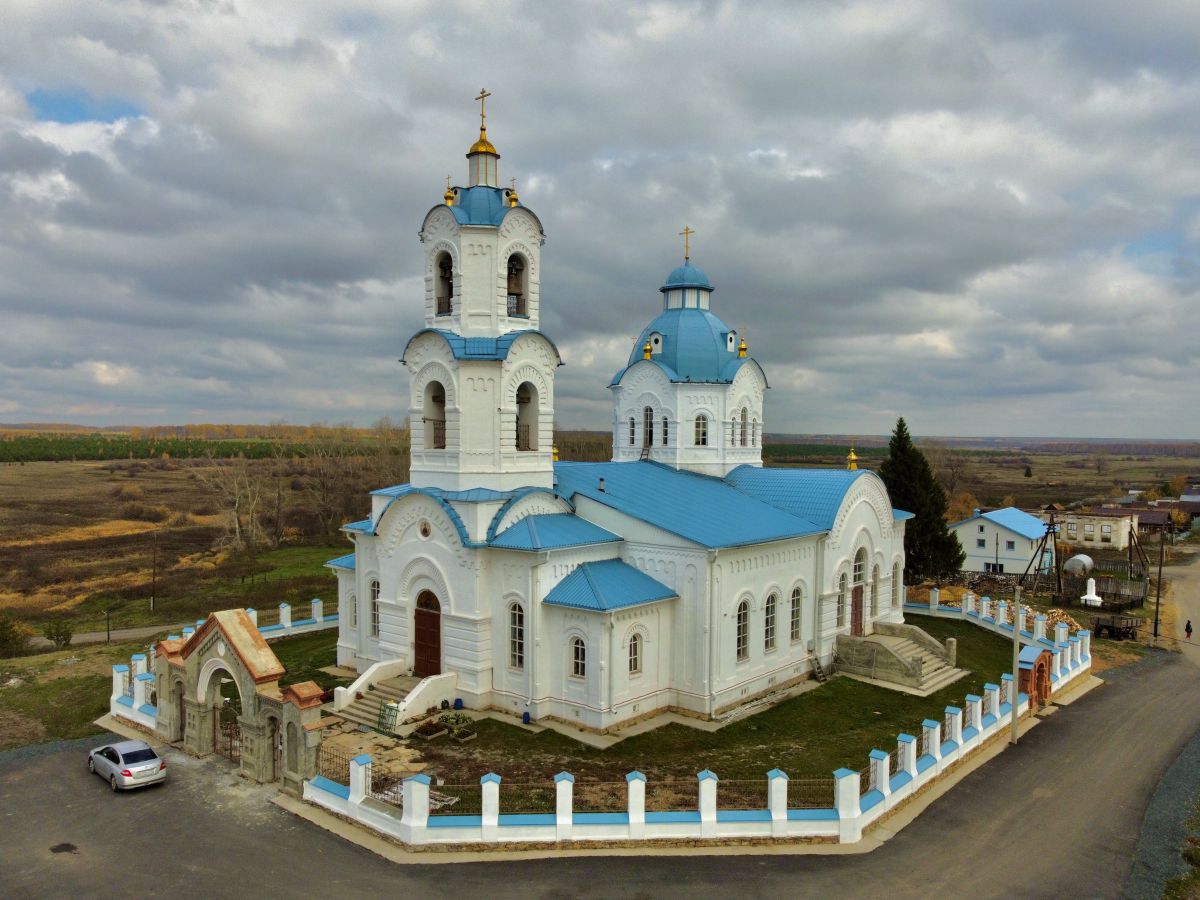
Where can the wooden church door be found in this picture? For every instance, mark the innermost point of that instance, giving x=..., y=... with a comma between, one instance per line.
x=427, y=621
x=856, y=611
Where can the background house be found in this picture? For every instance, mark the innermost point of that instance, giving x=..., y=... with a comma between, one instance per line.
x=1003, y=541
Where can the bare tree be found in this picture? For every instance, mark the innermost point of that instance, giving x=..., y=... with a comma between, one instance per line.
x=238, y=487
x=949, y=465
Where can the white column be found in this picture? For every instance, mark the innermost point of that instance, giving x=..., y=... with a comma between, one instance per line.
x=1076, y=646
x=1011, y=687
x=1086, y=651
x=846, y=787
x=907, y=745
x=975, y=713
x=360, y=778
x=285, y=615
x=991, y=699
x=933, y=599
x=490, y=807
x=1039, y=627
x=1061, y=633
x=881, y=771
x=1001, y=612
x=139, y=690
x=954, y=718
x=777, y=801
x=932, y=732
x=318, y=609
x=985, y=608
x=138, y=666
x=708, y=803
x=564, y=806
x=253, y=614
x=968, y=603
x=119, y=674
x=1021, y=613
x=635, y=783
x=415, y=816
x=188, y=631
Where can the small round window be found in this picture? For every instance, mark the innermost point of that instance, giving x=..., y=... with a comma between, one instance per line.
x=425, y=530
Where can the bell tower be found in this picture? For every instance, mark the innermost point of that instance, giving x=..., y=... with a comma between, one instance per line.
x=482, y=397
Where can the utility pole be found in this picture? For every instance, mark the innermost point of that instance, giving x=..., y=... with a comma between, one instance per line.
x=1016, y=672
x=154, y=568
x=1158, y=599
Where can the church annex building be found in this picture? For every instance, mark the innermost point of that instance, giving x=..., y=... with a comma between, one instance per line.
x=682, y=575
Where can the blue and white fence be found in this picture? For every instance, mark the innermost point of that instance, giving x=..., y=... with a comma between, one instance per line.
x=287, y=625
x=132, y=689
x=857, y=798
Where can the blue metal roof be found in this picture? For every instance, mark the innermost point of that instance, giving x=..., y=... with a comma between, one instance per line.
x=482, y=348
x=551, y=532
x=363, y=525
x=687, y=275
x=699, y=508
x=1014, y=520
x=473, y=495
x=342, y=562
x=694, y=347
x=480, y=205
x=812, y=494
x=607, y=585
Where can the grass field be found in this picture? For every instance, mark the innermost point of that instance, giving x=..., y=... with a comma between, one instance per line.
x=808, y=736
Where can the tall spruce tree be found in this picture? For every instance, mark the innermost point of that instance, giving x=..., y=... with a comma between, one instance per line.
x=930, y=550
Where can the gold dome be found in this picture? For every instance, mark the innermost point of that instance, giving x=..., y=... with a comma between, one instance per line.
x=483, y=145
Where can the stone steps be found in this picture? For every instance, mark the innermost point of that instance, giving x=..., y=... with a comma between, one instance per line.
x=365, y=711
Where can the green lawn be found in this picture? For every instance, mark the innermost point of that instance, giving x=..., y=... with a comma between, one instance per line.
x=304, y=655
x=808, y=736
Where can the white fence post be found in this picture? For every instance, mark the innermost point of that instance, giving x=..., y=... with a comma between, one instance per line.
x=1001, y=613
x=564, y=805
x=934, y=593
x=1021, y=613
x=1085, y=651
x=975, y=714
x=360, y=778
x=708, y=803
x=907, y=745
x=846, y=787
x=954, y=718
x=931, y=731
x=490, y=806
x=777, y=801
x=120, y=673
x=253, y=614
x=1010, y=688
x=1039, y=627
x=881, y=771
x=317, y=610
x=991, y=700
x=415, y=816
x=635, y=783
x=968, y=602
x=285, y=615
x=138, y=666
x=985, y=611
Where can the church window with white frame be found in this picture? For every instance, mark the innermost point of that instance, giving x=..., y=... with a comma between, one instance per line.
x=375, y=608
x=578, y=658
x=635, y=654
x=648, y=427
x=769, y=623
x=743, y=631
x=745, y=426
x=516, y=636
x=860, y=565
x=701, y=439
x=875, y=592
x=797, y=613
x=666, y=432
x=632, y=431
x=352, y=602
x=841, y=601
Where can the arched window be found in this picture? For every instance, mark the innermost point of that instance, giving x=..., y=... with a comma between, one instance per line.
x=374, y=608
x=578, y=658
x=516, y=636
x=635, y=654
x=797, y=613
x=743, y=631
x=841, y=601
x=755, y=437
x=527, y=417
x=632, y=431
x=860, y=565
x=745, y=425
x=435, y=416
x=896, y=583
x=875, y=592
x=769, y=623
x=517, y=286
x=352, y=603
x=648, y=427
x=443, y=287
x=666, y=432
x=701, y=431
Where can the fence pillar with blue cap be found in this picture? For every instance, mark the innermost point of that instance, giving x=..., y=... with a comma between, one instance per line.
x=1001, y=613
x=489, y=784
x=360, y=777
x=708, y=803
x=1021, y=613
x=1085, y=649
x=954, y=723
x=1039, y=627
x=120, y=675
x=253, y=615
x=1008, y=692
x=777, y=801
x=141, y=684
x=636, y=785
x=415, y=815
x=881, y=771
x=285, y=615
x=934, y=594
x=974, y=715
x=846, y=788
x=318, y=610
x=138, y=664
x=931, y=732
x=991, y=701
x=188, y=631
x=968, y=603
x=564, y=805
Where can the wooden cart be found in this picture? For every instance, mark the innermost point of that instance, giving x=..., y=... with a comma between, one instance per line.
x=1118, y=627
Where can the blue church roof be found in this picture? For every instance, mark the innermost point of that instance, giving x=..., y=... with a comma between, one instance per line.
x=699, y=508
x=551, y=532
x=342, y=562
x=694, y=347
x=480, y=205
x=607, y=585
x=687, y=275
x=483, y=348
x=813, y=494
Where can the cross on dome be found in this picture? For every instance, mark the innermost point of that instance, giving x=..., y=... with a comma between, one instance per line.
x=687, y=248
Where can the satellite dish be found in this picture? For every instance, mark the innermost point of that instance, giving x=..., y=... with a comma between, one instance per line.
x=1079, y=564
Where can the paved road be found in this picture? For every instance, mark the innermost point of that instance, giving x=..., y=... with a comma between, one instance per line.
x=118, y=634
x=1058, y=816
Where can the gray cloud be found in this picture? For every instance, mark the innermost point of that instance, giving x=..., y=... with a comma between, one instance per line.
x=980, y=217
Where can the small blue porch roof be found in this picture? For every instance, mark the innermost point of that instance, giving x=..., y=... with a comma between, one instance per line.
x=552, y=531
x=607, y=585
x=342, y=562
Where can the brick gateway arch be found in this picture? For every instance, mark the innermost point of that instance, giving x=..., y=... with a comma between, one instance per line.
x=268, y=732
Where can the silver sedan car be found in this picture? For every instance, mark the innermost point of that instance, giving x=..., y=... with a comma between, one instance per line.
x=128, y=764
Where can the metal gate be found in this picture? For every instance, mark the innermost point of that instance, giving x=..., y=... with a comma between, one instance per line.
x=227, y=739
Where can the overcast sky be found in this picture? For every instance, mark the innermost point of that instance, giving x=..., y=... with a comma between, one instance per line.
x=981, y=216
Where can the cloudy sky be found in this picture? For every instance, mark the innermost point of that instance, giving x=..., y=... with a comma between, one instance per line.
x=983, y=217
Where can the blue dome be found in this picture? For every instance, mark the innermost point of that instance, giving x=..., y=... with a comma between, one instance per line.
x=695, y=347
x=687, y=275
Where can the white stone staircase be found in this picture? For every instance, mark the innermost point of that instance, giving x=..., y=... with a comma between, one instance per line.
x=935, y=672
x=365, y=710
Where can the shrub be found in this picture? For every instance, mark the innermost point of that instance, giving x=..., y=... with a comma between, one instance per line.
x=144, y=512
x=14, y=637
x=59, y=632
x=128, y=492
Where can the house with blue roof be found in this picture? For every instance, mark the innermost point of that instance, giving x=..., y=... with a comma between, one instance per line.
x=1004, y=541
x=681, y=575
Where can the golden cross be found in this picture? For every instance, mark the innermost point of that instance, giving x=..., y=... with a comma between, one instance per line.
x=513, y=182
x=447, y=182
x=687, y=248
x=483, y=95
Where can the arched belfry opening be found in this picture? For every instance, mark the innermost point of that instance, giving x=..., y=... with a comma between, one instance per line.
x=527, y=416
x=434, y=416
x=518, y=285
x=443, y=284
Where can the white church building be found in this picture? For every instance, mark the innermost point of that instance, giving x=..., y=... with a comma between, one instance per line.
x=682, y=575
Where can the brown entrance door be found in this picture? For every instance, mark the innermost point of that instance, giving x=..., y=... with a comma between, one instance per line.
x=427, y=621
x=856, y=611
